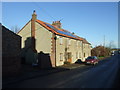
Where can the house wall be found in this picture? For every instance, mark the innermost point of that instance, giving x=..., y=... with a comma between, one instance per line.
x=44, y=46
x=25, y=33
x=86, y=51
x=11, y=48
x=27, y=53
x=72, y=48
x=45, y=43
x=60, y=48
x=76, y=50
x=43, y=39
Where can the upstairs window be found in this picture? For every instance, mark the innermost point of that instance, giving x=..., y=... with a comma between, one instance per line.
x=80, y=43
x=69, y=41
x=77, y=43
x=84, y=45
x=88, y=46
x=61, y=40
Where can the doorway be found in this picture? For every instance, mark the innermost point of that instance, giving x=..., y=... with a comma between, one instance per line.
x=69, y=54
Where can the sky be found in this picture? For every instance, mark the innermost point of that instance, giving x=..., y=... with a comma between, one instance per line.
x=95, y=21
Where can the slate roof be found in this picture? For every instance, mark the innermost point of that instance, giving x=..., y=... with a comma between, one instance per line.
x=61, y=32
x=58, y=31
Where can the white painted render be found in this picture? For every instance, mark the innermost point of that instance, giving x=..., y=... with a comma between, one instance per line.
x=73, y=47
x=43, y=39
x=25, y=33
x=44, y=44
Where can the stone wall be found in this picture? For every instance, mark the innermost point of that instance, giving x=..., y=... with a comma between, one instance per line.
x=11, y=48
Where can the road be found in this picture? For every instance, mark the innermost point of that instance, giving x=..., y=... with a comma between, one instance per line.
x=101, y=75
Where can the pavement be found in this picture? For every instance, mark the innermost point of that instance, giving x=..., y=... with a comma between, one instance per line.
x=72, y=66
x=29, y=72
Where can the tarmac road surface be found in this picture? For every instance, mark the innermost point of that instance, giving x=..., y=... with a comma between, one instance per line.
x=101, y=75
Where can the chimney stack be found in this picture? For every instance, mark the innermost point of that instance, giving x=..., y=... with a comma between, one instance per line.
x=34, y=16
x=33, y=20
x=57, y=24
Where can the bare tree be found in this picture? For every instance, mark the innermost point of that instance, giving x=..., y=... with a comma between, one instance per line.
x=15, y=28
x=111, y=44
x=100, y=51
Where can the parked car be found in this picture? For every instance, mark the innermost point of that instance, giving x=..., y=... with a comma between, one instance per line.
x=91, y=60
x=79, y=61
x=112, y=54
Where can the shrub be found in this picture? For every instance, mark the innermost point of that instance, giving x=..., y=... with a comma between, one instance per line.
x=100, y=51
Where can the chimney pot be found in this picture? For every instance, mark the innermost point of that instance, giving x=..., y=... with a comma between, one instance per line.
x=57, y=24
x=34, y=12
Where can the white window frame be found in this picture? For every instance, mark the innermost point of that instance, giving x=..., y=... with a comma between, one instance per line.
x=80, y=43
x=77, y=43
x=61, y=56
x=76, y=55
x=84, y=45
x=79, y=55
x=88, y=45
x=69, y=41
x=84, y=54
x=61, y=40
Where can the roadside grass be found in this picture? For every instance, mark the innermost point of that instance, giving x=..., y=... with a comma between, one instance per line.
x=103, y=57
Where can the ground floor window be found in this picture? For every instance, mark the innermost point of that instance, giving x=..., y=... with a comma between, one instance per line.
x=61, y=56
x=76, y=55
x=79, y=55
x=84, y=54
x=69, y=54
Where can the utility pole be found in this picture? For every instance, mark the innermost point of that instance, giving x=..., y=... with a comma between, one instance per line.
x=110, y=44
x=104, y=41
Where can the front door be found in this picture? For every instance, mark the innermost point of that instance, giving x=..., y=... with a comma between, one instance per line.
x=69, y=57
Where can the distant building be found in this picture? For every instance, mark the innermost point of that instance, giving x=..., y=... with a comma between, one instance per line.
x=60, y=44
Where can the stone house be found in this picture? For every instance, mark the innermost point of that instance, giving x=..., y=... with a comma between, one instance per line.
x=59, y=44
x=11, y=48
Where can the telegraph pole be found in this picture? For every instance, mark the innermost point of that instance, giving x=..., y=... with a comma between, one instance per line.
x=104, y=41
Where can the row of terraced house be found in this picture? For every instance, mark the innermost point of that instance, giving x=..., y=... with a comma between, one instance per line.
x=53, y=42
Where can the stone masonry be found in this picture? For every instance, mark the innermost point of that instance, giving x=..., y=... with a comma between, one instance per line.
x=11, y=48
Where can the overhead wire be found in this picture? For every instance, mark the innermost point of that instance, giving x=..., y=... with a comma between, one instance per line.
x=34, y=31
x=30, y=32
x=44, y=12
x=37, y=5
